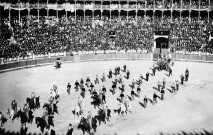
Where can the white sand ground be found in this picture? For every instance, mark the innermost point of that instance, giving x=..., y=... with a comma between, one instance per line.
x=189, y=110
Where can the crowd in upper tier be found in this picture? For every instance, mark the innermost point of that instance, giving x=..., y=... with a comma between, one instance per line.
x=58, y=35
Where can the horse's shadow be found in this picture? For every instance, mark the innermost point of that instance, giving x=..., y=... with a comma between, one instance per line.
x=166, y=74
x=131, y=86
x=108, y=76
x=112, y=91
x=141, y=104
x=126, y=77
x=123, y=70
x=155, y=88
x=120, y=89
x=138, y=82
x=129, y=97
x=118, y=99
x=169, y=90
x=151, y=101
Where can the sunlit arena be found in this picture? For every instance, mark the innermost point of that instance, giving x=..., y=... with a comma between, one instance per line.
x=105, y=67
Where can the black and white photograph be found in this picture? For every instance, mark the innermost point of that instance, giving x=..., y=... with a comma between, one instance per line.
x=106, y=67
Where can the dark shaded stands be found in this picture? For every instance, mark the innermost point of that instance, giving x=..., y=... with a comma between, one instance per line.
x=58, y=31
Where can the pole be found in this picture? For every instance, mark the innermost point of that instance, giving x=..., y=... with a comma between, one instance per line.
x=75, y=11
x=19, y=12
x=199, y=12
x=119, y=9
x=84, y=11
x=101, y=9
x=154, y=13
x=110, y=11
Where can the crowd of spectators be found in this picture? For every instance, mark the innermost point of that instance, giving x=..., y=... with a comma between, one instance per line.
x=50, y=35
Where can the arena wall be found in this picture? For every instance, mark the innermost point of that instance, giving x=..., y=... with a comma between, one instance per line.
x=192, y=57
x=100, y=57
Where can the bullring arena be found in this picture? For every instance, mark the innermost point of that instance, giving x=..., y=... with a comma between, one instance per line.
x=125, y=67
x=189, y=110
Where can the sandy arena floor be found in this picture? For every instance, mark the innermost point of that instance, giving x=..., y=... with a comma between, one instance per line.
x=188, y=110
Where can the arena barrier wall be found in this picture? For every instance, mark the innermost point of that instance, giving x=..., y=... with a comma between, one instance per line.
x=192, y=57
x=75, y=59
x=100, y=57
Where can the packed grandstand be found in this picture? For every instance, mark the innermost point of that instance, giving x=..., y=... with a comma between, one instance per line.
x=49, y=26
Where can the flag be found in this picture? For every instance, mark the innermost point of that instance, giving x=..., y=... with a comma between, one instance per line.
x=112, y=34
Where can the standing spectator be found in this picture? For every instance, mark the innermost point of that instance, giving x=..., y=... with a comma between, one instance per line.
x=147, y=76
x=170, y=71
x=127, y=74
x=123, y=86
x=155, y=98
x=124, y=66
x=132, y=94
x=145, y=100
x=104, y=94
x=138, y=91
x=122, y=97
x=153, y=71
x=68, y=88
x=162, y=93
x=158, y=85
x=181, y=79
x=110, y=73
x=164, y=82
x=186, y=75
x=76, y=85
x=173, y=87
x=177, y=84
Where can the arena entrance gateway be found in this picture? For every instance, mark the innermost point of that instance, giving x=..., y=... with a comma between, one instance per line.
x=161, y=44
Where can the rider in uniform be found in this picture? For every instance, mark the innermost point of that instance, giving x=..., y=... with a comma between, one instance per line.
x=26, y=110
x=89, y=118
x=33, y=95
x=14, y=106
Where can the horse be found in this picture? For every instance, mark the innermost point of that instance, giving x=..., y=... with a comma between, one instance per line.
x=85, y=126
x=96, y=101
x=31, y=103
x=13, y=114
x=58, y=65
x=121, y=109
x=23, y=117
x=49, y=108
x=101, y=116
x=77, y=111
x=40, y=122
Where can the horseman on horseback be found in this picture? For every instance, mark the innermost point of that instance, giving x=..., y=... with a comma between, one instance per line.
x=89, y=118
x=58, y=63
x=14, y=106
